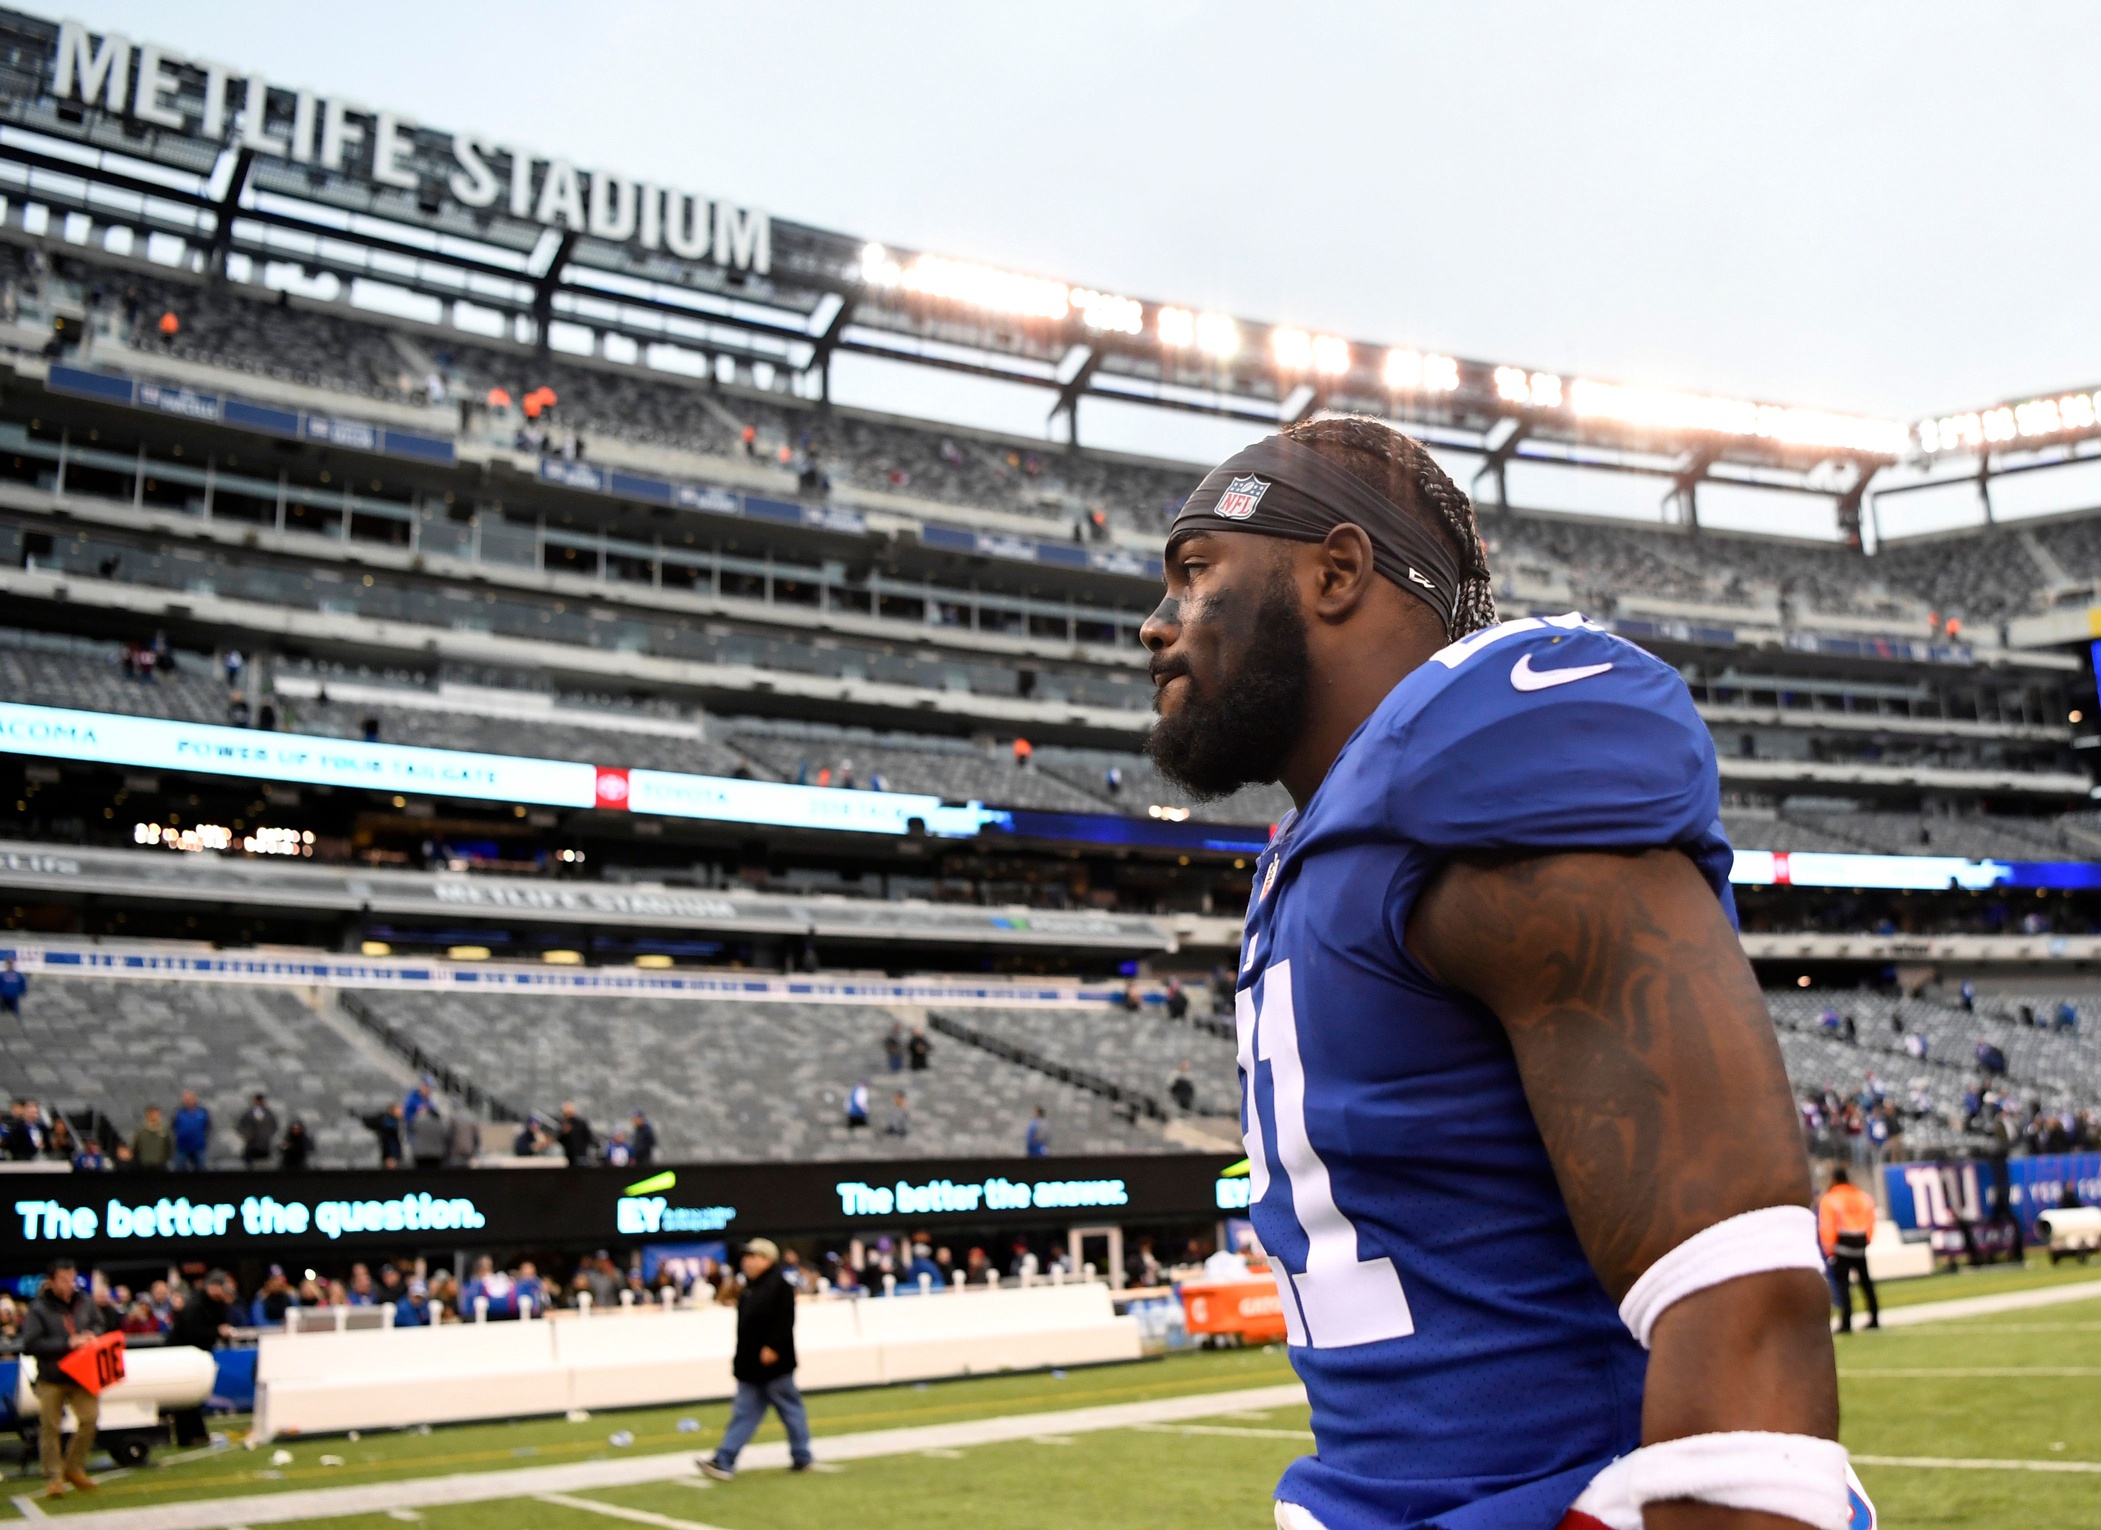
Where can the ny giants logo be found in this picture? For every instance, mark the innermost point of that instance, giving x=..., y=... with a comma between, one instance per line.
x=1240, y=498
x=612, y=789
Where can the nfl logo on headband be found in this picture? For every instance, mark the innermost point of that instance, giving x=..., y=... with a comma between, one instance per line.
x=1240, y=498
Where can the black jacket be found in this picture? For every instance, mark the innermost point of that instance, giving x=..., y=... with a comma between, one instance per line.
x=197, y=1325
x=45, y=1332
x=765, y=1320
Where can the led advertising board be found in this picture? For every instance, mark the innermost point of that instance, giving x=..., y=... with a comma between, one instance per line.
x=106, y=1217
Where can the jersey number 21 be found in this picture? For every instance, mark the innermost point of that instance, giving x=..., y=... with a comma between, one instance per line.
x=1339, y=1299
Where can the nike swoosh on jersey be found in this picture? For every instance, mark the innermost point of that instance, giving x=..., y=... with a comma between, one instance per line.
x=1526, y=678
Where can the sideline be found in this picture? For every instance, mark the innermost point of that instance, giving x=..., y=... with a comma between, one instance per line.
x=533, y=1482
x=1977, y=1464
x=1985, y=1306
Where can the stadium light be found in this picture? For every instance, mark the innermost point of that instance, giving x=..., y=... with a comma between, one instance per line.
x=1176, y=328
x=1669, y=409
x=2026, y=421
x=1540, y=390
x=1008, y=292
x=1291, y=349
x=1217, y=336
x=1331, y=356
x=1104, y=311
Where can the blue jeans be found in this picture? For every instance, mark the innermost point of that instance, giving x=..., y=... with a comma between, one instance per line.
x=185, y=1159
x=750, y=1407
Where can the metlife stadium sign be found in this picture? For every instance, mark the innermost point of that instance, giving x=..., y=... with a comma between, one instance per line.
x=162, y=87
x=250, y=754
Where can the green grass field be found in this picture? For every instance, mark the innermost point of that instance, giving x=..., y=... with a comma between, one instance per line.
x=2018, y=1387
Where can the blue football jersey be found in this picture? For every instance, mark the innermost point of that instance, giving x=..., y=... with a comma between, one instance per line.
x=1465, y=1367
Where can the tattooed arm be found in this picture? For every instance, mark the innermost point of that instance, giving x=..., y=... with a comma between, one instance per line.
x=1652, y=1070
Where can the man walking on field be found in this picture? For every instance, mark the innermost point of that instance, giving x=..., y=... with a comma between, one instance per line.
x=764, y=1365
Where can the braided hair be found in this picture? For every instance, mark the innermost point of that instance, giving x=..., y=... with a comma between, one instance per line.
x=1398, y=467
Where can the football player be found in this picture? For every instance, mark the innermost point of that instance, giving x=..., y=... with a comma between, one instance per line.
x=1523, y=1151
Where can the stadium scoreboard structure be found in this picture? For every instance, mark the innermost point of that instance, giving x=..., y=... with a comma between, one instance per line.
x=208, y=167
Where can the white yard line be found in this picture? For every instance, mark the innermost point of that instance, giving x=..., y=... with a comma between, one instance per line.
x=1984, y=1306
x=1227, y=1430
x=621, y=1511
x=1915, y=1372
x=277, y=1508
x=28, y=1507
x=1977, y=1464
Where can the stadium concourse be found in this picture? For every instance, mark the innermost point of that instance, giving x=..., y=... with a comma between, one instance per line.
x=495, y=745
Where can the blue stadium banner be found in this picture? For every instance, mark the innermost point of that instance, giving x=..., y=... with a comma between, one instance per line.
x=170, y=398
x=1925, y=1196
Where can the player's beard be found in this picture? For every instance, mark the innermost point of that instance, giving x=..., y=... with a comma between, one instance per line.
x=1237, y=733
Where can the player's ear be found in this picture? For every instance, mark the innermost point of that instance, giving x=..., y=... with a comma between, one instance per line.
x=1345, y=569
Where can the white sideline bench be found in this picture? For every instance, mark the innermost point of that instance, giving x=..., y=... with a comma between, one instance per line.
x=328, y=1382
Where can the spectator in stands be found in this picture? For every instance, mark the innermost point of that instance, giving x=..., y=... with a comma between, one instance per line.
x=25, y=1132
x=385, y=1127
x=14, y=986
x=1968, y=996
x=857, y=1106
x=764, y=1365
x=258, y=1132
x=205, y=1313
x=59, y=1141
x=1022, y=750
x=2067, y=1017
x=427, y=1138
x=233, y=663
x=978, y=1269
x=360, y=1292
x=169, y=327
x=139, y=1318
x=532, y=1291
x=920, y=1049
x=924, y=1268
x=152, y=1145
x=61, y=1319
x=192, y=1132
x=899, y=1122
x=532, y=1139
x=576, y=1137
x=1845, y=1227
x=1131, y=1000
x=1036, y=1140
x=491, y=1285
x=1990, y=1058
x=1177, y=1001
x=619, y=1153
x=1182, y=1089
x=1142, y=1269
x=296, y=1155
x=462, y=1140
x=606, y=1280
x=89, y=1157
x=894, y=1048
x=419, y=1099
x=642, y=1139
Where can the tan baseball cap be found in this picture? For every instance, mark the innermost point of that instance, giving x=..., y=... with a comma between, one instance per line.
x=765, y=1247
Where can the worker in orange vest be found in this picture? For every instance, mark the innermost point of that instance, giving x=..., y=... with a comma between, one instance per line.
x=1845, y=1222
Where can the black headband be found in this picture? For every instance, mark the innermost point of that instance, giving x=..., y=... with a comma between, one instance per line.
x=1281, y=488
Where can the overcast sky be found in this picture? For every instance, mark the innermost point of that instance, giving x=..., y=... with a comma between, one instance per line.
x=1885, y=208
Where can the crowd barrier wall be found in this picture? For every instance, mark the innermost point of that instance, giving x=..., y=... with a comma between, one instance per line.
x=322, y=1383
